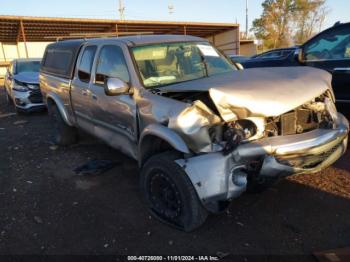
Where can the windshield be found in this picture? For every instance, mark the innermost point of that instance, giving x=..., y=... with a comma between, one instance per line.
x=171, y=63
x=29, y=66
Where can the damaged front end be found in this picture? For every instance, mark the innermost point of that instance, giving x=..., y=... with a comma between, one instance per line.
x=232, y=145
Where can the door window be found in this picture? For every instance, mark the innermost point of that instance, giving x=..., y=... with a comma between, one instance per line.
x=331, y=45
x=111, y=64
x=276, y=54
x=87, y=59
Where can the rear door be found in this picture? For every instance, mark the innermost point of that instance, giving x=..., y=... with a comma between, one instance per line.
x=114, y=116
x=331, y=51
x=80, y=88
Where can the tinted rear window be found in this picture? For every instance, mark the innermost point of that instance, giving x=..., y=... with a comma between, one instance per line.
x=60, y=58
x=58, y=61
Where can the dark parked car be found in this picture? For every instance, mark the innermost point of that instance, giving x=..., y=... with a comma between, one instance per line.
x=238, y=58
x=329, y=50
x=274, y=58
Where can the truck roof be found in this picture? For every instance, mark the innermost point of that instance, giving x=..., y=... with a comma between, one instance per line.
x=132, y=40
x=60, y=57
x=155, y=39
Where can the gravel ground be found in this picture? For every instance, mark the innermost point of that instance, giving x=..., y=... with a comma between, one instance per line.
x=46, y=209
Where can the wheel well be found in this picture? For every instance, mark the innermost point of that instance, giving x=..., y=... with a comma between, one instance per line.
x=152, y=145
x=50, y=102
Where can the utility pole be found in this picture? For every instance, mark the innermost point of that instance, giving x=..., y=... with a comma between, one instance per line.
x=121, y=10
x=171, y=8
x=246, y=18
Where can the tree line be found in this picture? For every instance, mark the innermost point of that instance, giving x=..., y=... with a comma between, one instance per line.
x=289, y=22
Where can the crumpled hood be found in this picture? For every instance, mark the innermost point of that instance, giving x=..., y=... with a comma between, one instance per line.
x=262, y=91
x=28, y=77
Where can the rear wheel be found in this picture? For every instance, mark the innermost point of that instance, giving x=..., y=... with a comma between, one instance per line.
x=64, y=134
x=169, y=194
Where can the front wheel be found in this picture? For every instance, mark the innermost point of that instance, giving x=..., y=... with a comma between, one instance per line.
x=169, y=194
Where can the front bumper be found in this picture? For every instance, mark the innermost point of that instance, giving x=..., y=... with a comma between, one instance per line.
x=28, y=101
x=217, y=177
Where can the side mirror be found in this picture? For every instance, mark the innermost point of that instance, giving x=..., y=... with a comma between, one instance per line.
x=115, y=87
x=239, y=66
x=299, y=55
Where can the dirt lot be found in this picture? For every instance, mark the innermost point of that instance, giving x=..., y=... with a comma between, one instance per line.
x=46, y=209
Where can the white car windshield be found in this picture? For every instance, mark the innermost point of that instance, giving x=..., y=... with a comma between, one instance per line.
x=27, y=66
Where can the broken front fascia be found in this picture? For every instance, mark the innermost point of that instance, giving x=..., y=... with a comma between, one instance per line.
x=202, y=130
x=217, y=177
x=193, y=125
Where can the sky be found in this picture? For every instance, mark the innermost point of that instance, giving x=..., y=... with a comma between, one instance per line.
x=184, y=10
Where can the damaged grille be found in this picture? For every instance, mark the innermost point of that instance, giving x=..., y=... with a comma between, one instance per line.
x=308, y=117
x=288, y=124
x=35, y=97
x=296, y=122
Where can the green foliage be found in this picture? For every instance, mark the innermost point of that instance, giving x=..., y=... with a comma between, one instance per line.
x=284, y=22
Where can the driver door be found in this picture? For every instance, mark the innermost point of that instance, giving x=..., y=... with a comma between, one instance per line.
x=114, y=117
x=331, y=51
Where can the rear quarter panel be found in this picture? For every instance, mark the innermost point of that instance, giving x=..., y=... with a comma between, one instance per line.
x=58, y=89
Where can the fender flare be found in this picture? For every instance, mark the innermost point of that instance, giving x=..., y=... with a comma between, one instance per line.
x=60, y=105
x=164, y=133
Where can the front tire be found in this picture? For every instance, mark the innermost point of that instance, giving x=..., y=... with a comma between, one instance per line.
x=64, y=135
x=169, y=193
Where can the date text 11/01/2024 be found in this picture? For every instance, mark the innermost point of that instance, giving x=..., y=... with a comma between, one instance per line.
x=173, y=258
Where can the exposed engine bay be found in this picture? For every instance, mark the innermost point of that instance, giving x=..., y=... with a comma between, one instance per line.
x=218, y=135
x=253, y=127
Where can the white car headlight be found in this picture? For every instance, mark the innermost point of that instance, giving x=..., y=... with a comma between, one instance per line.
x=19, y=86
x=32, y=87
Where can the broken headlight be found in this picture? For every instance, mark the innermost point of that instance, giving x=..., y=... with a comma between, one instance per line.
x=238, y=132
x=19, y=86
x=246, y=128
x=330, y=107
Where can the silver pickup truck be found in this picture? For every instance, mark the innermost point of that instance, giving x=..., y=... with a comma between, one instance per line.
x=202, y=131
